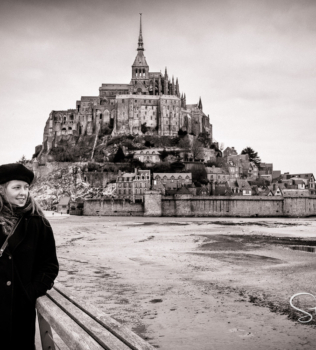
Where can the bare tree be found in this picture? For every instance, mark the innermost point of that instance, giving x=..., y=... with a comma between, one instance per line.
x=23, y=160
x=184, y=143
x=197, y=149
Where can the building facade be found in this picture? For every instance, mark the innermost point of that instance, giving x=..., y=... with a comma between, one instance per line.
x=150, y=104
x=133, y=185
x=172, y=181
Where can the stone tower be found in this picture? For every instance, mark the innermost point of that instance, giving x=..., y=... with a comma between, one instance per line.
x=140, y=68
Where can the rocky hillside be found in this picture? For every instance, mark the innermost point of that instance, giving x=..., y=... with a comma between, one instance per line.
x=48, y=190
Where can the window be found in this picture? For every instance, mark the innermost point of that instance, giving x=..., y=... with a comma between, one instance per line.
x=123, y=101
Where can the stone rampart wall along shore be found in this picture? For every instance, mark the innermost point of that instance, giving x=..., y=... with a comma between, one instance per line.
x=204, y=206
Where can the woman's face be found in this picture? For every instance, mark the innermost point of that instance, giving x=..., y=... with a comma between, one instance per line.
x=17, y=192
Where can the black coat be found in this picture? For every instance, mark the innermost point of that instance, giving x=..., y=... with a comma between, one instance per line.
x=28, y=268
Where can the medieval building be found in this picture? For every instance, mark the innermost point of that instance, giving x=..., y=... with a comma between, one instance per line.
x=151, y=103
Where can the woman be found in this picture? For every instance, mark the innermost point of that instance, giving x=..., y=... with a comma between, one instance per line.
x=28, y=261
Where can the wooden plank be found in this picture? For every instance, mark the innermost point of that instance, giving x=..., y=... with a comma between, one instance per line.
x=120, y=331
x=47, y=339
x=101, y=335
x=73, y=336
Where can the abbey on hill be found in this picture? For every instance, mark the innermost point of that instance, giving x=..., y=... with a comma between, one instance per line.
x=149, y=104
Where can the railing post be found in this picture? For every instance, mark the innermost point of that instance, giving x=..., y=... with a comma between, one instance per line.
x=46, y=333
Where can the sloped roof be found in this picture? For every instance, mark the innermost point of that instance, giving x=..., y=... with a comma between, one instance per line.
x=266, y=192
x=170, y=192
x=128, y=175
x=211, y=170
x=255, y=189
x=266, y=165
x=222, y=191
x=199, y=190
x=230, y=149
x=243, y=184
x=242, y=157
x=140, y=60
x=299, y=181
x=183, y=190
x=175, y=175
x=232, y=183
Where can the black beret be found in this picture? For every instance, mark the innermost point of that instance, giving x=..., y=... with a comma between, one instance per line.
x=15, y=171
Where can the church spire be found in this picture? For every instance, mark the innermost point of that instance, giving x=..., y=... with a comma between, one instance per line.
x=200, y=106
x=140, y=38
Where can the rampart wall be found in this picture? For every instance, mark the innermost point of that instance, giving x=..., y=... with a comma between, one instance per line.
x=204, y=206
x=239, y=206
x=112, y=207
x=221, y=206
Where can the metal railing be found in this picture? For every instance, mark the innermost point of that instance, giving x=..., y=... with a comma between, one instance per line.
x=80, y=325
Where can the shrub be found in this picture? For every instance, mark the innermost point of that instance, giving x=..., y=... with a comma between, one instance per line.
x=199, y=174
x=93, y=166
x=105, y=130
x=119, y=156
x=182, y=133
x=144, y=128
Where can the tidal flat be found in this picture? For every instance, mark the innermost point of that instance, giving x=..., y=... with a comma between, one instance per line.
x=195, y=283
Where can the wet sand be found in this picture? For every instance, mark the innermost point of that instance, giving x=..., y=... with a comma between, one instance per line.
x=193, y=283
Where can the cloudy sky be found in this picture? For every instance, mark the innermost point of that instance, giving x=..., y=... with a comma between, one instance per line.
x=252, y=62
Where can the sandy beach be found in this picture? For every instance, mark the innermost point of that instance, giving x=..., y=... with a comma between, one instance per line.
x=194, y=283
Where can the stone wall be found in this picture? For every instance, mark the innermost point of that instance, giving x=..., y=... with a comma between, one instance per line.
x=205, y=206
x=238, y=206
x=112, y=207
x=152, y=203
x=222, y=206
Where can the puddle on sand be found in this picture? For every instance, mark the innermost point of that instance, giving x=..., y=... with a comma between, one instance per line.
x=241, y=258
x=304, y=248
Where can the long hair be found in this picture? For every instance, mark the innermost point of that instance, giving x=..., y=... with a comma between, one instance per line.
x=35, y=208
